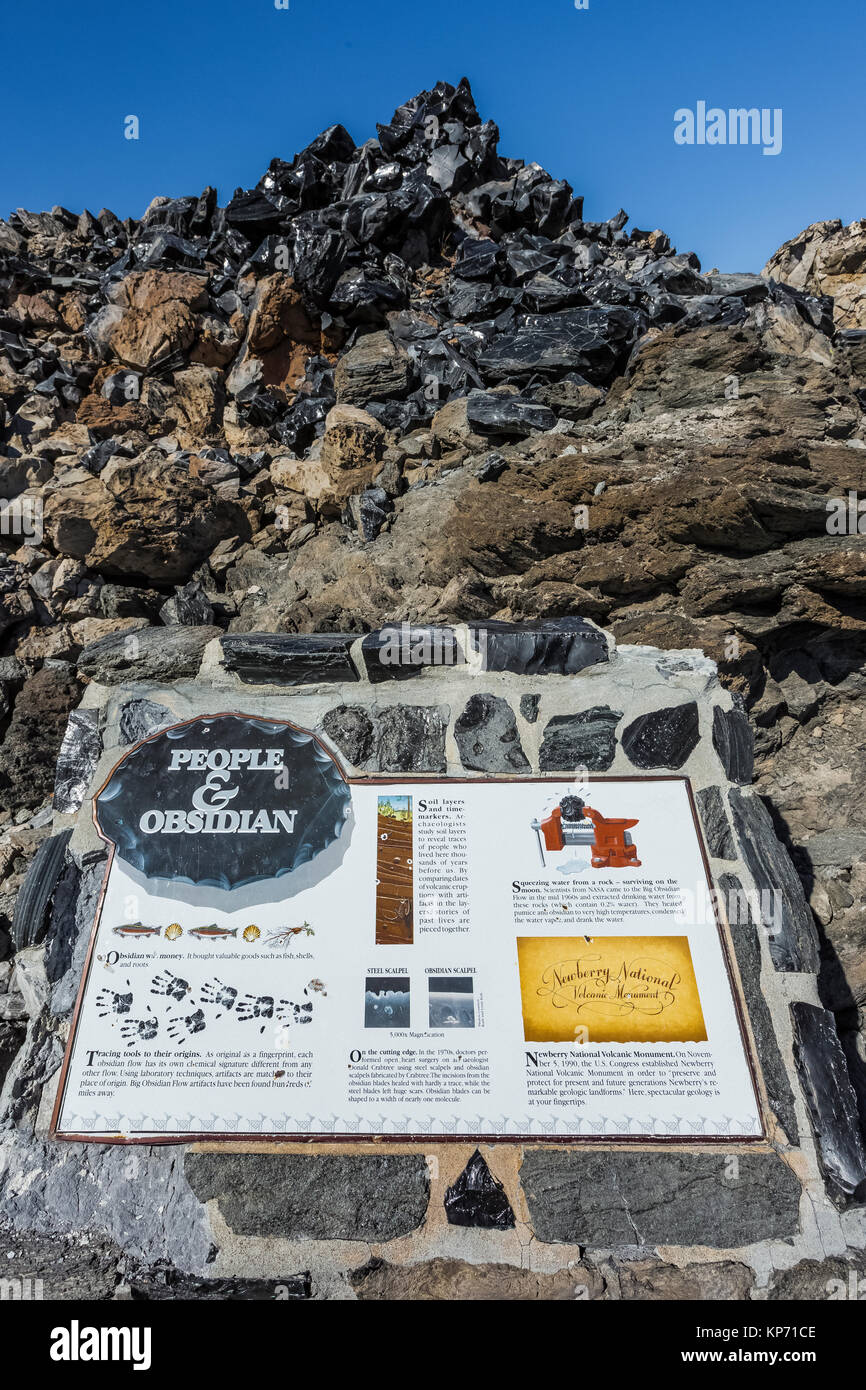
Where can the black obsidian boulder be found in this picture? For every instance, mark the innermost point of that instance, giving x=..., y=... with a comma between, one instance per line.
x=558, y=646
x=490, y=412
x=290, y=659
x=664, y=738
x=734, y=742
x=590, y=341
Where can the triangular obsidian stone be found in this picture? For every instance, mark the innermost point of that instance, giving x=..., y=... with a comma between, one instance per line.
x=477, y=1199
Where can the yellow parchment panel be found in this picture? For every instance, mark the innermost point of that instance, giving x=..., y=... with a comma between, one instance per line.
x=626, y=989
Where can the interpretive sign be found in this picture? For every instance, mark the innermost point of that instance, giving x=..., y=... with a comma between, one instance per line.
x=280, y=951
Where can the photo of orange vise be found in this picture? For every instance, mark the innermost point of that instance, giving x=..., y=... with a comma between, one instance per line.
x=612, y=846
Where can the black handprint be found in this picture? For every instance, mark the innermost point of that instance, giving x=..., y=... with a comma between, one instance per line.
x=252, y=1006
x=170, y=985
x=136, y=1030
x=107, y=1002
x=215, y=992
x=179, y=1029
x=288, y=1012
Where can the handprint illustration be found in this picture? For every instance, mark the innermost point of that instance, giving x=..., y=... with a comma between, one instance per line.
x=109, y=1002
x=172, y=986
x=137, y=1030
x=179, y=1029
x=218, y=994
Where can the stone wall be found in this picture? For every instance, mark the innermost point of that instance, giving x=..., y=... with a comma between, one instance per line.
x=389, y=1219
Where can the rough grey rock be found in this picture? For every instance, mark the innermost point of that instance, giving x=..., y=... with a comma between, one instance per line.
x=717, y=827
x=93, y=1268
x=290, y=659
x=529, y=707
x=137, y=1196
x=838, y=849
x=293, y=1288
x=734, y=742
x=411, y=738
x=747, y=949
x=584, y=740
x=487, y=737
x=831, y=1101
x=396, y=738
x=41, y=1055
x=664, y=738
x=784, y=911
x=316, y=1197
x=817, y=1281
x=151, y=653
x=558, y=646
x=658, y=1198
x=375, y=369
x=11, y=1038
x=351, y=729
x=79, y=753
x=138, y=718
x=367, y=512
x=491, y=467
x=187, y=607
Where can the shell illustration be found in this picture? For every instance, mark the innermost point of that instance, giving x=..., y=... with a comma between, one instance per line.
x=251, y=933
x=173, y=931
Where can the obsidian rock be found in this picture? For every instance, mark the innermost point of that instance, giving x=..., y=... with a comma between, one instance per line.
x=30, y=922
x=583, y=740
x=529, y=707
x=351, y=729
x=478, y=1199
x=784, y=911
x=734, y=742
x=831, y=1101
x=747, y=948
x=664, y=738
x=487, y=737
x=591, y=341
x=490, y=412
x=405, y=650
x=290, y=658
x=76, y=762
x=717, y=827
x=556, y=646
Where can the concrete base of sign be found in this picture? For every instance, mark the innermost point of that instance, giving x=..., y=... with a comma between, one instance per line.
x=368, y=1219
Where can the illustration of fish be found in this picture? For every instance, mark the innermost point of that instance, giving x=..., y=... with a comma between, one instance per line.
x=213, y=932
x=136, y=929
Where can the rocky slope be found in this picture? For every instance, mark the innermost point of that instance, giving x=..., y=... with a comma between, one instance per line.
x=408, y=380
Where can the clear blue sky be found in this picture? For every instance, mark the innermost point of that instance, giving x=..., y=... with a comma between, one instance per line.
x=220, y=86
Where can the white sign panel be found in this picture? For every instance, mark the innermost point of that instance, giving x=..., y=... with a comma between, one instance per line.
x=281, y=952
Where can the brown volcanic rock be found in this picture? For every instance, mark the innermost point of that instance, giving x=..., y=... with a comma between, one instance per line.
x=159, y=318
x=827, y=258
x=32, y=742
x=281, y=335
x=145, y=520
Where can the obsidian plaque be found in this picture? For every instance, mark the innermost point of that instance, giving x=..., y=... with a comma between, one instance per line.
x=224, y=801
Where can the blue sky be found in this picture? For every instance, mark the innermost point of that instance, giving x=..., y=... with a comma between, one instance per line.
x=221, y=86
